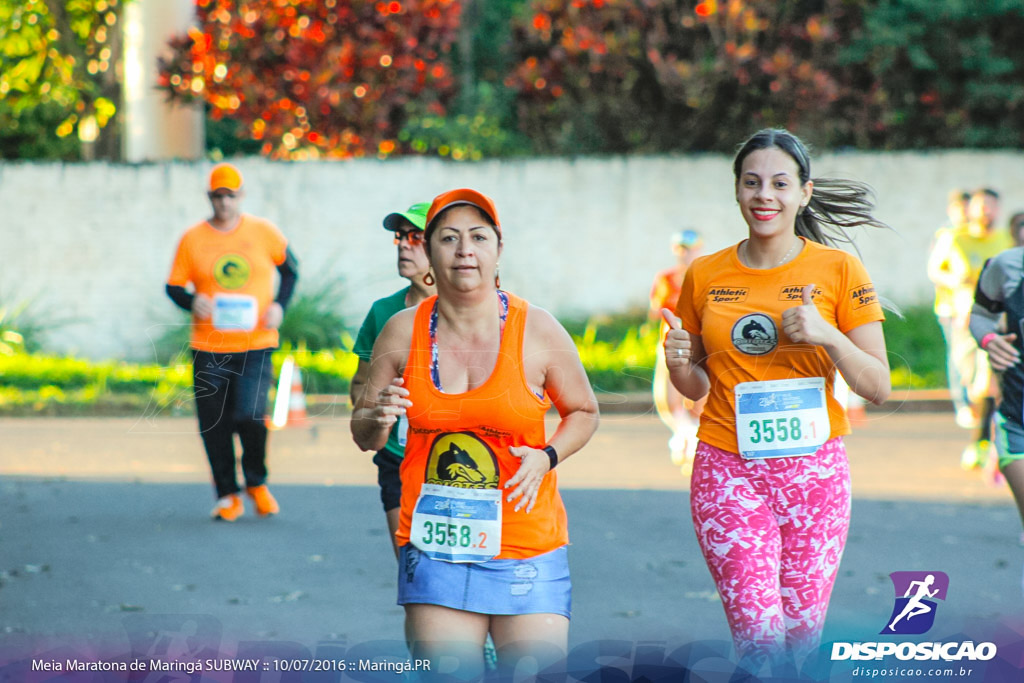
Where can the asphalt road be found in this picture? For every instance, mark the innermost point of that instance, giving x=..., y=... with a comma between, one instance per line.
x=106, y=547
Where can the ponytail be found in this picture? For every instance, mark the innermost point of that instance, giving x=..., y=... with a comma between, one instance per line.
x=836, y=206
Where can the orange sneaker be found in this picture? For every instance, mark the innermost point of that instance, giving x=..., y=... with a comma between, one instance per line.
x=228, y=509
x=265, y=502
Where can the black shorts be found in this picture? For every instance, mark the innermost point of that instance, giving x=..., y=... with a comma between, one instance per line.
x=387, y=476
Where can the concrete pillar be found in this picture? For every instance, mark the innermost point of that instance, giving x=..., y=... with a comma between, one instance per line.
x=153, y=128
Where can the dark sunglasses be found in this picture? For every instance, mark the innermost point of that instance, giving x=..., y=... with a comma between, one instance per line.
x=221, y=195
x=415, y=237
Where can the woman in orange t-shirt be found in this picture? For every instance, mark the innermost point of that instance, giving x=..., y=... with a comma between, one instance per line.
x=764, y=327
x=482, y=528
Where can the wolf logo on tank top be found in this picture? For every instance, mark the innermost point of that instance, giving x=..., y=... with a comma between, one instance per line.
x=462, y=460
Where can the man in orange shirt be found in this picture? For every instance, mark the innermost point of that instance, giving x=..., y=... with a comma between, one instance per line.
x=230, y=260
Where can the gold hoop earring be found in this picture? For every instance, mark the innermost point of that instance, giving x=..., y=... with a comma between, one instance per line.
x=428, y=279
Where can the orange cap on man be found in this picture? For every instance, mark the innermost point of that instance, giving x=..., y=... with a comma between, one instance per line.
x=463, y=196
x=225, y=177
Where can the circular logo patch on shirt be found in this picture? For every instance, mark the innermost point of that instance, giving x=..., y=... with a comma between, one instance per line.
x=755, y=334
x=463, y=460
x=231, y=271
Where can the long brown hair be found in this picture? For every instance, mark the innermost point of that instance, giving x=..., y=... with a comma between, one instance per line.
x=836, y=205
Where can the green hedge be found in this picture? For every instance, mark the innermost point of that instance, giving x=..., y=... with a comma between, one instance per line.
x=618, y=353
x=618, y=357
x=328, y=371
x=52, y=385
x=917, y=351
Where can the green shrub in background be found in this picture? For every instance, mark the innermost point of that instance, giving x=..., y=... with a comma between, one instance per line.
x=51, y=385
x=327, y=371
x=24, y=324
x=917, y=352
x=31, y=371
x=11, y=340
x=312, y=319
x=608, y=327
x=618, y=351
x=32, y=384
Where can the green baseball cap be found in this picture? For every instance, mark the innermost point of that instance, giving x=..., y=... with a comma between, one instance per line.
x=415, y=214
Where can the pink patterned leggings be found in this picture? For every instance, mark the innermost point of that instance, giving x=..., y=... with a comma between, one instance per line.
x=772, y=532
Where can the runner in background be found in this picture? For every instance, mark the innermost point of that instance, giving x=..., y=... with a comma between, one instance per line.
x=1000, y=293
x=1016, y=227
x=947, y=270
x=972, y=246
x=679, y=414
x=229, y=260
x=407, y=227
x=765, y=325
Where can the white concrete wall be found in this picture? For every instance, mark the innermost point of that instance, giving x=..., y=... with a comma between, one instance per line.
x=96, y=241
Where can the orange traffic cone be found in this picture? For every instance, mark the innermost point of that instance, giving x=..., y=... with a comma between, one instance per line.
x=297, y=402
x=853, y=403
x=290, y=403
x=855, y=411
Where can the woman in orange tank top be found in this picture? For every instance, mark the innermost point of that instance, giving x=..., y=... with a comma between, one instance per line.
x=482, y=530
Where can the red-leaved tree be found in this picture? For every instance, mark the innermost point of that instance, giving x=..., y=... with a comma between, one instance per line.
x=317, y=78
x=664, y=75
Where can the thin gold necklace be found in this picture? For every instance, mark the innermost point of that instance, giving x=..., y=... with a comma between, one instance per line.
x=746, y=254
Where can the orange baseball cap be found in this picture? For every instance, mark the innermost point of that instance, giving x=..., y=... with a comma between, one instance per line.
x=225, y=177
x=463, y=196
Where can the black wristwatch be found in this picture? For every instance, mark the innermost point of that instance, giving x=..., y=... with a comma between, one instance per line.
x=552, y=456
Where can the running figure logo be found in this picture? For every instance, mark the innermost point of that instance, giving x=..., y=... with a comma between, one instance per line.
x=914, y=611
